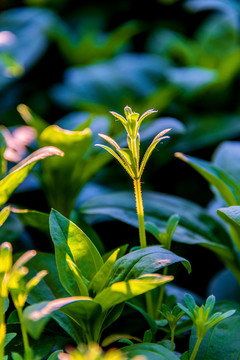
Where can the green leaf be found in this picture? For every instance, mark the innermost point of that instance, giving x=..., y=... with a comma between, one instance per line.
x=231, y=215
x=62, y=177
x=49, y=289
x=31, y=118
x=80, y=280
x=227, y=187
x=222, y=341
x=16, y=356
x=4, y=213
x=101, y=277
x=124, y=290
x=80, y=309
x=150, y=149
x=70, y=240
x=9, y=337
x=120, y=159
x=149, y=351
x=196, y=226
x=144, y=261
x=33, y=218
x=19, y=172
x=151, y=322
x=227, y=157
x=54, y=356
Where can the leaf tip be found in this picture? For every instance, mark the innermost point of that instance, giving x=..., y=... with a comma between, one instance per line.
x=181, y=156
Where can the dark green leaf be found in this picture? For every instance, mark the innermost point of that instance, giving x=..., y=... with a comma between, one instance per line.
x=69, y=240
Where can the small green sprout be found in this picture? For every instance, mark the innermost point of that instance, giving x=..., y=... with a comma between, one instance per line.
x=172, y=316
x=202, y=318
x=165, y=237
x=12, y=281
x=129, y=157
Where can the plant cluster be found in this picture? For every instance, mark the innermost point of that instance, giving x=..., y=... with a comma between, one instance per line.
x=94, y=252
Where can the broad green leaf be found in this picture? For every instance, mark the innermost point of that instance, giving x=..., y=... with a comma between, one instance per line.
x=222, y=341
x=124, y=290
x=227, y=157
x=4, y=213
x=19, y=172
x=62, y=177
x=231, y=215
x=70, y=240
x=101, y=277
x=227, y=187
x=144, y=261
x=149, y=351
x=195, y=226
x=80, y=309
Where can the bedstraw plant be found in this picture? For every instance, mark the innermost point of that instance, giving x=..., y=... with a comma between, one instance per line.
x=129, y=157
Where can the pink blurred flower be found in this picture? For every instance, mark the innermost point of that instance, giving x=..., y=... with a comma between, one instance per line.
x=17, y=142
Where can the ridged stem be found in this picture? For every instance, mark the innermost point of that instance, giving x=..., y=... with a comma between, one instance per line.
x=140, y=212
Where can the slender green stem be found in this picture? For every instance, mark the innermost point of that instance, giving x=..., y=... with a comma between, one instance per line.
x=142, y=235
x=161, y=295
x=2, y=328
x=195, y=350
x=172, y=338
x=28, y=354
x=140, y=212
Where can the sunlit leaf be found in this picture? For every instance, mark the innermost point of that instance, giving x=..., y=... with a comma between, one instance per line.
x=18, y=173
x=72, y=241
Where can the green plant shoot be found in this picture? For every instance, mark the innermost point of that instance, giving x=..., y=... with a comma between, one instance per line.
x=129, y=157
x=202, y=318
x=12, y=280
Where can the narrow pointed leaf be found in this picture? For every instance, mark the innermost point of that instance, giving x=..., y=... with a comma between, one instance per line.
x=150, y=149
x=118, y=158
x=78, y=277
x=125, y=290
x=119, y=117
x=31, y=118
x=227, y=187
x=19, y=172
x=4, y=213
x=110, y=141
x=100, y=279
